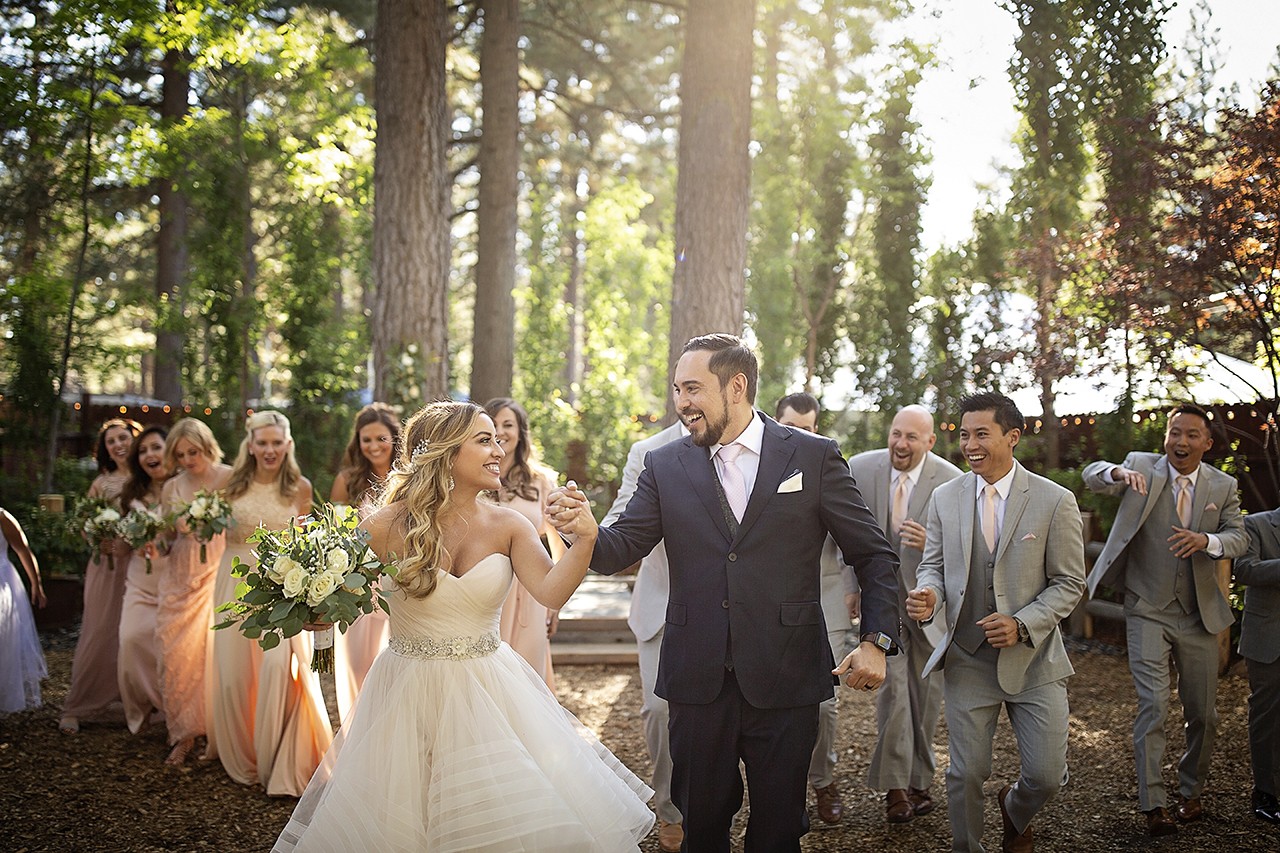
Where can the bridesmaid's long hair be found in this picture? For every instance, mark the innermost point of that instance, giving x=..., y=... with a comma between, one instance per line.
x=420, y=481
x=140, y=482
x=246, y=465
x=356, y=471
x=105, y=462
x=520, y=481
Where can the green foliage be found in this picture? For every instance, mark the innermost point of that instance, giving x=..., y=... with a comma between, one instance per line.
x=55, y=539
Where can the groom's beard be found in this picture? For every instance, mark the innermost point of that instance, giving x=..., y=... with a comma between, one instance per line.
x=713, y=429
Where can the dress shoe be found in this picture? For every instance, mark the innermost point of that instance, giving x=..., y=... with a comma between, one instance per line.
x=921, y=801
x=897, y=806
x=670, y=836
x=1013, y=841
x=1265, y=806
x=1188, y=809
x=1159, y=823
x=830, y=809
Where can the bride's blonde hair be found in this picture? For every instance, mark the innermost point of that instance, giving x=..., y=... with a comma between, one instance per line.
x=421, y=483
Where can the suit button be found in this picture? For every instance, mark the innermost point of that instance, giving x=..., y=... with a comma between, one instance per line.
x=725, y=604
x=733, y=558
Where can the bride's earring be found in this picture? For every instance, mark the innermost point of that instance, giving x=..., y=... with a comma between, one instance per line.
x=451, y=483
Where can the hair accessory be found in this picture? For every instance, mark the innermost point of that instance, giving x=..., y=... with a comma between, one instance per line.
x=419, y=452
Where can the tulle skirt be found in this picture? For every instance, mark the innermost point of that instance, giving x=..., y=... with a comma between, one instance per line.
x=21, y=660
x=476, y=754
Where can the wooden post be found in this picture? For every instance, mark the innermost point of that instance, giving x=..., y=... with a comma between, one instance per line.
x=53, y=503
x=1223, y=569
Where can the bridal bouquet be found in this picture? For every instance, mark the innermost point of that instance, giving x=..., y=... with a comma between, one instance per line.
x=141, y=526
x=206, y=516
x=319, y=570
x=101, y=524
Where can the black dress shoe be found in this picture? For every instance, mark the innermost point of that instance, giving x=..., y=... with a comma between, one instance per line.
x=1265, y=806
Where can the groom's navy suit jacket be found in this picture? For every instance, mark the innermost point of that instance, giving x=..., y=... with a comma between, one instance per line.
x=753, y=599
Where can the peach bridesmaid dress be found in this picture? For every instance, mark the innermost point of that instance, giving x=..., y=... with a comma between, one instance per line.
x=524, y=620
x=267, y=719
x=94, y=686
x=184, y=616
x=138, y=674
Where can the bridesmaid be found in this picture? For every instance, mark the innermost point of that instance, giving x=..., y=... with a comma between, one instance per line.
x=185, y=611
x=374, y=443
x=93, y=668
x=527, y=626
x=138, y=675
x=268, y=722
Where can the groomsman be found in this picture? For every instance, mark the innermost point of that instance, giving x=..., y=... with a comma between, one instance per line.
x=1259, y=571
x=897, y=483
x=1178, y=515
x=839, y=609
x=646, y=619
x=1009, y=564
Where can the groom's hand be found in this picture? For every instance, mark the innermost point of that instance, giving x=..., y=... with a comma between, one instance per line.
x=563, y=506
x=862, y=668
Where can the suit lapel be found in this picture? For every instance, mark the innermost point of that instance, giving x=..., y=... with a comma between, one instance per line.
x=1200, y=498
x=1014, y=506
x=879, y=500
x=776, y=451
x=1159, y=477
x=968, y=499
x=924, y=487
x=697, y=466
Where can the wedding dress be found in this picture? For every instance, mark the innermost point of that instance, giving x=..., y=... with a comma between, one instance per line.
x=22, y=662
x=455, y=743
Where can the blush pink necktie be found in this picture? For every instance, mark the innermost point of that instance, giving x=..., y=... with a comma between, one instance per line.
x=731, y=480
x=898, y=514
x=989, y=517
x=1184, y=500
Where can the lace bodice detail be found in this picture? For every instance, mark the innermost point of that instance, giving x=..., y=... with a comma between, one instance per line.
x=458, y=608
x=261, y=504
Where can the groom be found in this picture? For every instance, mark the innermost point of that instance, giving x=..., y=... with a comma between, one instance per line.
x=744, y=506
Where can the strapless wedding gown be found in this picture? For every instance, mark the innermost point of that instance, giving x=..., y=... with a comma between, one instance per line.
x=455, y=743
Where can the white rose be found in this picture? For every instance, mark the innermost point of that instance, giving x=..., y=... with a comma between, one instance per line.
x=321, y=588
x=199, y=508
x=281, y=568
x=295, y=582
x=338, y=562
x=108, y=515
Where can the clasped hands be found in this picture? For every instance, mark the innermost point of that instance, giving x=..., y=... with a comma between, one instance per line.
x=569, y=512
x=1001, y=630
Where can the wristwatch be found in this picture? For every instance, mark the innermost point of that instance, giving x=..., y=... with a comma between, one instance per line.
x=1023, y=634
x=881, y=641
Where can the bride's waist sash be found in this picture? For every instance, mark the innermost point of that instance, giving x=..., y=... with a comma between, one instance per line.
x=445, y=648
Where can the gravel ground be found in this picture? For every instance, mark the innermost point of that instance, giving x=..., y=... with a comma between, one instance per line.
x=106, y=790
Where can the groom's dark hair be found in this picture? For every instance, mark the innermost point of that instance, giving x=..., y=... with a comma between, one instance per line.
x=729, y=357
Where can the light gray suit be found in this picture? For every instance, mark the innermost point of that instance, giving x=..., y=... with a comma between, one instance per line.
x=907, y=705
x=1259, y=570
x=646, y=619
x=1037, y=576
x=837, y=582
x=1137, y=561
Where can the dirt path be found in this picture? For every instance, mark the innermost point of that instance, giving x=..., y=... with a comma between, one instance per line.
x=106, y=790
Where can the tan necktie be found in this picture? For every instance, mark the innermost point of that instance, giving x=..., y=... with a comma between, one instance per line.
x=989, y=517
x=1184, y=500
x=898, y=514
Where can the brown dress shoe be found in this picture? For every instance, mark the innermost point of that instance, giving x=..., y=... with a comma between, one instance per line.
x=897, y=806
x=1159, y=823
x=1014, y=841
x=1189, y=810
x=830, y=809
x=670, y=836
x=921, y=801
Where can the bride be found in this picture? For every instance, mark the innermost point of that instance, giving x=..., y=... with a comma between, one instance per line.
x=455, y=743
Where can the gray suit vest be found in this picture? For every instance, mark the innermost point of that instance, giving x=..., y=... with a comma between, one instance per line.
x=980, y=598
x=1155, y=575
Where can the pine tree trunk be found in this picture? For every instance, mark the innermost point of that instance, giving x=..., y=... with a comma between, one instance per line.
x=713, y=187
x=493, y=339
x=171, y=244
x=411, y=196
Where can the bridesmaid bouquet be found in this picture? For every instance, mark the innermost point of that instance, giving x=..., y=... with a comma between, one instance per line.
x=140, y=527
x=101, y=524
x=206, y=516
x=319, y=570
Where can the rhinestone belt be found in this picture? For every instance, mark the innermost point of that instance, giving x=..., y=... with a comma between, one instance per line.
x=451, y=648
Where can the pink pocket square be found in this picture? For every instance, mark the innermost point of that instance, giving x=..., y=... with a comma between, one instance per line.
x=1028, y=537
x=1210, y=507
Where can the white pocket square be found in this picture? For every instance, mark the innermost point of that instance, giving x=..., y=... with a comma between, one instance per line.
x=1210, y=507
x=1027, y=537
x=794, y=483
